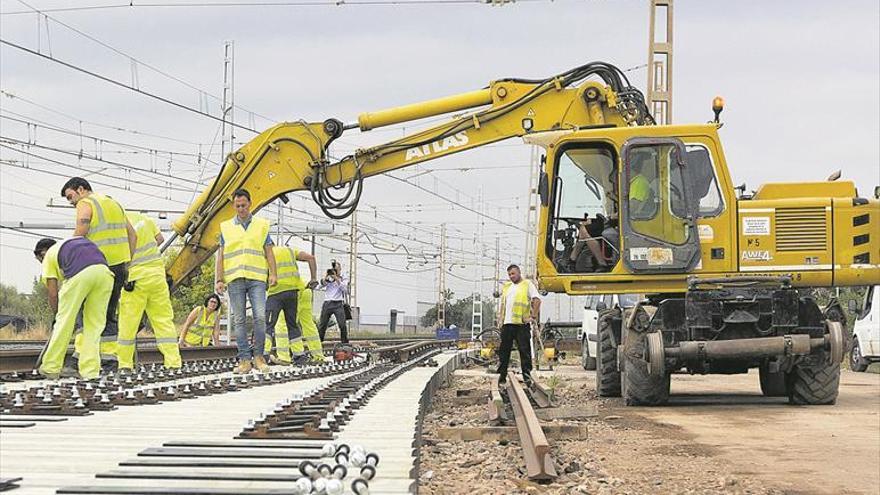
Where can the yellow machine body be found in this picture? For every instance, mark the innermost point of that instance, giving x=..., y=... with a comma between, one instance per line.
x=821, y=233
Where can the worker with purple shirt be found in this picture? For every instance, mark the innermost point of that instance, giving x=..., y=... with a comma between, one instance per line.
x=76, y=275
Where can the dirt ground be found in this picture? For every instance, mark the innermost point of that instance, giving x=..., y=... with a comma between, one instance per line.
x=718, y=435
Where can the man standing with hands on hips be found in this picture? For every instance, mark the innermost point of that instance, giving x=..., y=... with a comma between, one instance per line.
x=246, y=263
x=520, y=305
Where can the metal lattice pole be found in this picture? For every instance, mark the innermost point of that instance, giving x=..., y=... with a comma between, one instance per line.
x=660, y=61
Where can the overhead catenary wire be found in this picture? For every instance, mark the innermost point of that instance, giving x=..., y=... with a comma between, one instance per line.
x=135, y=60
x=294, y=3
x=121, y=84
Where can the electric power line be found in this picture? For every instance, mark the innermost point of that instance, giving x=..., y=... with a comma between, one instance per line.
x=121, y=84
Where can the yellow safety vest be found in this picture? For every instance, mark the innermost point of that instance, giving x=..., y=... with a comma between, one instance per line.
x=108, y=229
x=288, y=270
x=146, y=259
x=639, y=188
x=520, y=301
x=201, y=331
x=243, y=255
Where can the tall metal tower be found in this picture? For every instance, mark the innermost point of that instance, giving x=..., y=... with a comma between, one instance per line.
x=227, y=139
x=441, y=280
x=227, y=143
x=660, y=61
x=529, y=269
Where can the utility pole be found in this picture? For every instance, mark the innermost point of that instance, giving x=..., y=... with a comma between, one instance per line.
x=477, y=298
x=660, y=61
x=228, y=104
x=352, y=270
x=227, y=141
x=532, y=214
x=441, y=280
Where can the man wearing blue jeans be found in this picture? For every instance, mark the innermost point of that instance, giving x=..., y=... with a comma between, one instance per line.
x=246, y=263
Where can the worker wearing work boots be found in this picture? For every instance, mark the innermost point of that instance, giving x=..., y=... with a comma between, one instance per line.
x=309, y=329
x=146, y=291
x=80, y=269
x=283, y=297
x=202, y=326
x=101, y=220
x=247, y=264
x=520, y=305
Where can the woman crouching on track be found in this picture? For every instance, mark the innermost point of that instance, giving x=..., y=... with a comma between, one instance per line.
x=202, y=326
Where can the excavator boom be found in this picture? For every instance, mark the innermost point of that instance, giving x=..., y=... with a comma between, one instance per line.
x=292, y=156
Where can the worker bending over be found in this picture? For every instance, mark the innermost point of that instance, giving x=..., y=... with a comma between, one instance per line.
x=101, y=219
x=308, y=327
x=202, y=326
x=520, y=306
x=78, y=267
x=246, y=262
x=146, y=291
x=283, y=297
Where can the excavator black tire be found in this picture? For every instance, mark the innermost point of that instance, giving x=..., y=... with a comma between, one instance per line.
x=813, y=384
x=772, y=384
x=640, y=388
x=607, y=372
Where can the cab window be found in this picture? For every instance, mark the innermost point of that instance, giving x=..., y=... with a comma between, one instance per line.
x=705, y=182
x=582, y=234
x=657, y=203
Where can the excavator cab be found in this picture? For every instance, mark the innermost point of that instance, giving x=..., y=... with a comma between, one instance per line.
x=624, y=204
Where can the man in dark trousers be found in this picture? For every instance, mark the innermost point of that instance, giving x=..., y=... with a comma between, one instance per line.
x=335, y=291
x=520, y=305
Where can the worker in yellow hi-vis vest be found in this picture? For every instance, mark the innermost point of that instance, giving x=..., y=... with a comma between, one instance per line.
x=247, y=263
x=283, y=297
x=102, y=220
x=146, y=291
x=76, y=276
x=309, y=328
x=202, y=326
x=520, y=305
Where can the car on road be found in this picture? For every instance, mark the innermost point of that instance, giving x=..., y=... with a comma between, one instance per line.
x=588, y=333
x=866, y=332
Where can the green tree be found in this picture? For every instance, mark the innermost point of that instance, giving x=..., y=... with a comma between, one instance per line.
x=458, y=312
x=186, y=297
x=33, y=307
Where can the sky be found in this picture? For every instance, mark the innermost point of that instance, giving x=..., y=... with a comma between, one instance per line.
x=801, y=83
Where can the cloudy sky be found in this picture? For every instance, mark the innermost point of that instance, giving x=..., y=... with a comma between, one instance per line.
x=801, y=81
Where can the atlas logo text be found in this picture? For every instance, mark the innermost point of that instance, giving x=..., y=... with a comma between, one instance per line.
x=441, y=145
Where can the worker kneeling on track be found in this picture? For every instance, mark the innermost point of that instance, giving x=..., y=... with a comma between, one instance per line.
x=80, y=269
x=146, y=291
x=284, y=297
x=202, y=326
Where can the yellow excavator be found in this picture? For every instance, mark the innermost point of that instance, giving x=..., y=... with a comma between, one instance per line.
x=626, y=206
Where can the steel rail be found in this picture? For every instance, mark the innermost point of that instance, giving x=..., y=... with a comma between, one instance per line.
x=536, y=449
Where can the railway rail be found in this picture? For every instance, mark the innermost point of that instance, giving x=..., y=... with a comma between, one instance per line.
x=317, y=434
x=540, y=466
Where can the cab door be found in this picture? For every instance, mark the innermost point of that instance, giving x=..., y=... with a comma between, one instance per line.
x=658, y=207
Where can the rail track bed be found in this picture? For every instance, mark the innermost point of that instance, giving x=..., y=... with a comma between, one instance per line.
x=350, y=428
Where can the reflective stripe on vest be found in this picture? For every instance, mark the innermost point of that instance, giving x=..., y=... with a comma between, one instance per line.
x=146, y=259
x=520, y=301
x=288, y=270
x=243, y=255
x=108, y=228
x=202, y=330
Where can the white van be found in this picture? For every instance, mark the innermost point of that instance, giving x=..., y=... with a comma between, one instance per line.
x=866, y=333
x=588, y=333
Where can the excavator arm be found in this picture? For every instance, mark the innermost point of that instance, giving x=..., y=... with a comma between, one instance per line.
x=293, y=156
